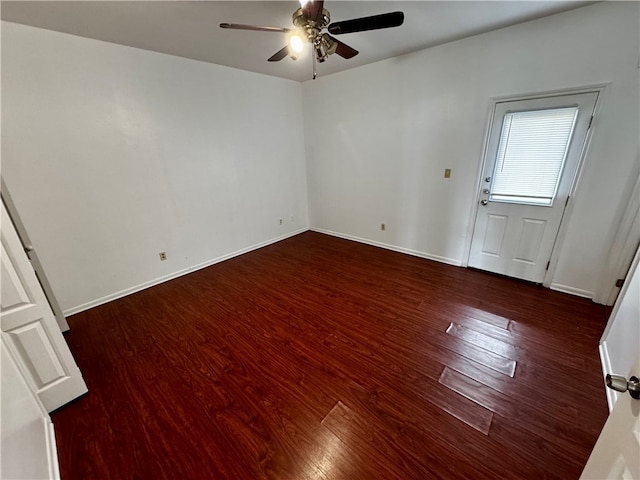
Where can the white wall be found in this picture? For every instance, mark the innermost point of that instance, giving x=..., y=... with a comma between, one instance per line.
x=379, y=137
x=113, y=154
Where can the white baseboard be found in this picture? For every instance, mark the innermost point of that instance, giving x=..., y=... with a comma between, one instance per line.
x=52, y=451
x=572, y=290
x=395, y=248
x=179, y=273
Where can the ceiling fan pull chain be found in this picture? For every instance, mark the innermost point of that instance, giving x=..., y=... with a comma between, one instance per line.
x=313, y=60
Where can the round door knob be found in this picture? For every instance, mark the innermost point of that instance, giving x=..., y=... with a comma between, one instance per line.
x=483, y=202
x=620, y=384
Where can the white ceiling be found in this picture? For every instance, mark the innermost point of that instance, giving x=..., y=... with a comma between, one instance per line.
x=191, y=28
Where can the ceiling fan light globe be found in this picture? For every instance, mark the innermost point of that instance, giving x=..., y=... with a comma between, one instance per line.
x=296, y=43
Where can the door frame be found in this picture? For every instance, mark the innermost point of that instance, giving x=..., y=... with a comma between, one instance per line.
x=623, y=247
x=601, y=89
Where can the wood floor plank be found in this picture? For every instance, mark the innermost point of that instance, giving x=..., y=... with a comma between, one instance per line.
x=228, y=373
x=498, y=333
x=359, y=434
x=483, y=341
x=564, y=406
x=465, y=409
x=561, y=433
x=486, y=317
x=478, y=354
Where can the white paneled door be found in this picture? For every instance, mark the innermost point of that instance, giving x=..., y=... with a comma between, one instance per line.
x=616, y=454
x=28, y=441
x=533, y=152
x=30, y=329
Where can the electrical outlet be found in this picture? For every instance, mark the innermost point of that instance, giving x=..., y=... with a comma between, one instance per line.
x=163, y=256
x=447, y=173
x=383, y=227
x=280, y=221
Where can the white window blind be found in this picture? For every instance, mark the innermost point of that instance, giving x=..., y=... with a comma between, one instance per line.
x=531, y=153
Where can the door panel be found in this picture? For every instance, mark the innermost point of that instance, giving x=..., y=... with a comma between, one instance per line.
x=531, y=236
x=30, y=329
x=494, y=236
x=514, y=234
x=45, y=367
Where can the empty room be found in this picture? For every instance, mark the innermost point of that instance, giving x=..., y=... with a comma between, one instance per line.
x=320, y=240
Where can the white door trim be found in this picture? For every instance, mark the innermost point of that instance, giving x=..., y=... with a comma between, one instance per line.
x=602, y=90
x=624, y=245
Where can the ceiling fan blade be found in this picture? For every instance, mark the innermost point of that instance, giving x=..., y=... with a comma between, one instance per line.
x=313, y=10
x=257, y=28
x=279, y=55
x=344, y=50
x=376, y=22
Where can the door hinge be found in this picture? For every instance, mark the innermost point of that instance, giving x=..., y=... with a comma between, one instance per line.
x=619, y=282
x=567, y=202
x=548, y=264
x=590, y=122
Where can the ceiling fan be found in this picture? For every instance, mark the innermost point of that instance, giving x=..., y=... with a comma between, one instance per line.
x=310, y=20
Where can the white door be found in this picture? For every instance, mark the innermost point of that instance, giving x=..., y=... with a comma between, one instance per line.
x=28, y=446
x=33, y=257
x=30, y=329
x=533, y=152
x=616, y=454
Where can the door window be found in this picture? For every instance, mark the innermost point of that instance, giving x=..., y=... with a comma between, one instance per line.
x=531, y=155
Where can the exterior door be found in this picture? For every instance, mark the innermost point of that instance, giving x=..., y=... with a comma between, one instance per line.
x=533, y=152
x=30, y=330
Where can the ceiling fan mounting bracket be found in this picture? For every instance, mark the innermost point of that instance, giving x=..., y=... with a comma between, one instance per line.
x=301, y=21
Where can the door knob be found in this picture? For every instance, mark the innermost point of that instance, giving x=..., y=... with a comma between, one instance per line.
x=620, y=384
x=483, y=202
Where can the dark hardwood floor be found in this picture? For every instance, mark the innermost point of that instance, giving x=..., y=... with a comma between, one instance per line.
x=320, y=358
